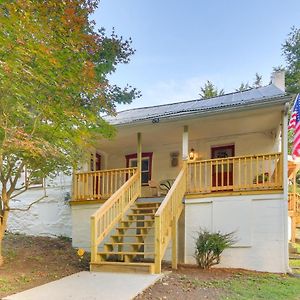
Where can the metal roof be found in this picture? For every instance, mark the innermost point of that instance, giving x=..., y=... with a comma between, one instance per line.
x=258, y=96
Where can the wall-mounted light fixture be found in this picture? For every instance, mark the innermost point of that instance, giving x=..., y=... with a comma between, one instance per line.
x=192, y=154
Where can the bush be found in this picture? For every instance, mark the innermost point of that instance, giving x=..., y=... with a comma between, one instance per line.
x=210, y=245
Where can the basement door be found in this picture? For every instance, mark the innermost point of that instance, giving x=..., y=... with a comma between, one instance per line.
x=222, y=174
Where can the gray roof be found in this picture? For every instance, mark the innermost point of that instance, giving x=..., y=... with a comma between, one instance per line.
x=269, y=94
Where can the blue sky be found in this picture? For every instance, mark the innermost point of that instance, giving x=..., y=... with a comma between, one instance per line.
x=181, y=44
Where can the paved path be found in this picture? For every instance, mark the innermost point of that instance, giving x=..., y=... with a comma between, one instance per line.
x=90, y=286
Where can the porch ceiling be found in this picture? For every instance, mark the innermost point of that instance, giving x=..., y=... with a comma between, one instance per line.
x=211, y=127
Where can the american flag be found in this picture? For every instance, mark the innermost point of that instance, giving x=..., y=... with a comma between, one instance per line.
x=295, y=125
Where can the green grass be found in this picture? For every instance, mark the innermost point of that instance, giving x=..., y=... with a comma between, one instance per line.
x=294, y=263
x=297, y=246
x=5, y=285
x=260, y=286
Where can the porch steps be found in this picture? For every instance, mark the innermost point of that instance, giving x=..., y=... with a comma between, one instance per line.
x=130, y=247
x=107, y=266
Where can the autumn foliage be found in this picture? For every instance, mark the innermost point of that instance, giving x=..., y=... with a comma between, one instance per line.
x=54, y=87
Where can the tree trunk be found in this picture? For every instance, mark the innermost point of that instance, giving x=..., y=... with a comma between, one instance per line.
x=2, y=232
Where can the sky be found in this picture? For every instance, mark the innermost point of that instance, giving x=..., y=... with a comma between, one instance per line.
x=182, y=44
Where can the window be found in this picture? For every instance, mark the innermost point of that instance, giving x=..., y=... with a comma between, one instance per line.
x=131, y=161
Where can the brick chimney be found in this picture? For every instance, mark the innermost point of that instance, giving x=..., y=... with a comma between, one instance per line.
x=278, y=79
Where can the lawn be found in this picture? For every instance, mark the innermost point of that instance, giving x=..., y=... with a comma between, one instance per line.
x=32, y=261
x=192, y=284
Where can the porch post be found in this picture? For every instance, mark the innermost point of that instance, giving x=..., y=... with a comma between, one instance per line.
x=185, y=143
x=139, y=159
x=293, y=215
x=284, y=149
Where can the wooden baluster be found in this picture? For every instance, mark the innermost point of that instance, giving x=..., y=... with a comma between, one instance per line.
x=85, y=190
x=245, y=172
x=200, y=177
x=196, y=181
x=257, y=171
x=228, y=170
x=270, y=171
x=222, y=174
x=263, y=171
x=251, y=172
x=239, y=173
x=277, y=162
x=111, y=184
x=217, y=175
x=98, y=186
x=211, y=175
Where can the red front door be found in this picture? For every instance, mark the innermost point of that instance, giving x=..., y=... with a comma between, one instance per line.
x=222, y=173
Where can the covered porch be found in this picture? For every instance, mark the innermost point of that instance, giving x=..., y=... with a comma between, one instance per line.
x=223, y=154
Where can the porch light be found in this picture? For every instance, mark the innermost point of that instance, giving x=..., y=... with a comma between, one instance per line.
x=192, y=154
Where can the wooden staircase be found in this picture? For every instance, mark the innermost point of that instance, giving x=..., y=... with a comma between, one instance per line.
x=131, y=235
x=130, y=247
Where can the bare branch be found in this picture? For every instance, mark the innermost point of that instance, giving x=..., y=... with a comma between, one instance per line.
x=30, y=205
x=21, y=191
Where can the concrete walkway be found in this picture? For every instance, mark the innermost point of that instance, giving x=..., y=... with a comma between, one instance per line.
x=90, y=286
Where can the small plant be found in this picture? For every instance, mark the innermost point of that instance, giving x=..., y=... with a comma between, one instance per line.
x=210, y=245
x=261, y=178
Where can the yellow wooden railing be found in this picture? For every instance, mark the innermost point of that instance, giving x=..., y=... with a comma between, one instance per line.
x=109, y=214
x=240, y=173
x=166, y=219
x=102, y=184
x=294, y=202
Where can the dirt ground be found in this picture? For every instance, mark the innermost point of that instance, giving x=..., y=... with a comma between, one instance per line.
x=32, y=261
x=182, y=284
x=192, y=283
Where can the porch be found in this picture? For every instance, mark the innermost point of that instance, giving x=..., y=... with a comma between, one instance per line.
x=223, y=176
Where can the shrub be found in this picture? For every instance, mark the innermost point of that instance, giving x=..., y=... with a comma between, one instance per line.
x=210, y=245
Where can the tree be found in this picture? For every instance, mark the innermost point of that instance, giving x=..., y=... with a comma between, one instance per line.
x=243, y=87
x=54, y=87
x=291, y=52
x=209, y=91
x=258, y=81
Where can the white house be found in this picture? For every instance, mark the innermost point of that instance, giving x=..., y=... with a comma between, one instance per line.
x=225, y=159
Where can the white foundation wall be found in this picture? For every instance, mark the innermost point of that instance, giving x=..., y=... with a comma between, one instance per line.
x=259, y=223
x=49, y=217
x=81, y=232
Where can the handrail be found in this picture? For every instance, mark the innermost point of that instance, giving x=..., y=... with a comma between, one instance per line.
x=95, y=185
x=233, y=157
x=104, y=171
x=237, y=173
x=109, y=214
x=167, y=215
